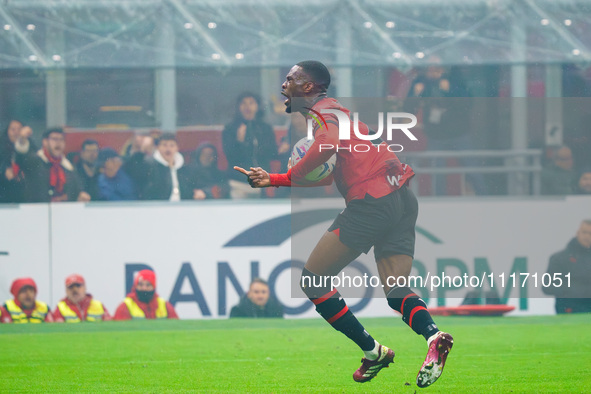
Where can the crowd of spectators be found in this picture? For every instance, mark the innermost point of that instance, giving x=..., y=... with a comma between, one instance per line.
x=149, y=167
x=155, y=167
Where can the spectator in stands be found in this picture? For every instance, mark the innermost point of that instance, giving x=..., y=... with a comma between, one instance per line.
x=88, y=169
x=558, y=176
x=113, y=182
x=167, y=177
x=583, y=185
x=143, y=302
x=446, y=119
x=247, y=142
x=12, y=180
x=140, y=143
x=24, y=308
x=210, y=181
x=574, y=295
x=78, y=305
x=136, y=157
x=50, y=177
x=258, y=302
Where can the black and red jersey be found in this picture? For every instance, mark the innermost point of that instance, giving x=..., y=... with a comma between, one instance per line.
x=361, y=168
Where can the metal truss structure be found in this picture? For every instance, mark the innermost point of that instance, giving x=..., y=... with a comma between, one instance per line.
x=51, y=34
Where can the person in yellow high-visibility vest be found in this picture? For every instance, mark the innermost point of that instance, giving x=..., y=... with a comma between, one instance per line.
x=143, y=302
x=78, y=305
x=24, y=308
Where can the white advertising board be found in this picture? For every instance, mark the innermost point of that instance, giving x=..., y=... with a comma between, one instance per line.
x=205, y=254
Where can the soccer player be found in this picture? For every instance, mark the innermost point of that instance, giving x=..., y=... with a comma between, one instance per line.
x=381, y=212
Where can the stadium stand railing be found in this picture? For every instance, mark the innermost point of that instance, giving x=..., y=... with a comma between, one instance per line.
x=521, y=166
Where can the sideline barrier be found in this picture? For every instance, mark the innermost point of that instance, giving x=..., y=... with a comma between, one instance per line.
x=202, y=266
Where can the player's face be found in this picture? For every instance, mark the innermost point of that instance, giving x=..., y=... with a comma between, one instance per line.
x=14, y=129
x=55, y=143
x=26, y=297
x=76, y=292
x=259, y=294
x=584, y=235
x=293, y=86
x=585, y=182
x=168, y=149
x=249, y=108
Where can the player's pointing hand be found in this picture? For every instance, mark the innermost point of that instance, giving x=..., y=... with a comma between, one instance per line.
x=257, y=177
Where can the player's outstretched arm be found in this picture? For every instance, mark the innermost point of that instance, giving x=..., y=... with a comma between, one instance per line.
x=257, y=177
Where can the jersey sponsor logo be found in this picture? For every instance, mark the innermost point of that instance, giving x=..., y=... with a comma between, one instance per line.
x=394, y=179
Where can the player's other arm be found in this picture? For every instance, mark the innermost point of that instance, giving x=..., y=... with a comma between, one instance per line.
x=257, y=178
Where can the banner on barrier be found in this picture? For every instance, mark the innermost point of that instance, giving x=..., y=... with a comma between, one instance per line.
x=205, y=255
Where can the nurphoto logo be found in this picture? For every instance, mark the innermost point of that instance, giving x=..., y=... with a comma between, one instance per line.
x=394, y=122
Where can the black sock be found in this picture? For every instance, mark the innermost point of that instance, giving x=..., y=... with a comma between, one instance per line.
x=331, y=306
x=413, y=309
x=336, y=312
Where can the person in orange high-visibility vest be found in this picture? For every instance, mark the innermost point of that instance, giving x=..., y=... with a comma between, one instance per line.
x=24, y=308
x=78, y=305
x=143, y=302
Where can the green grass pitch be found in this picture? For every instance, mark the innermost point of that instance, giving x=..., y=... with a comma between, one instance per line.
x=529, y=354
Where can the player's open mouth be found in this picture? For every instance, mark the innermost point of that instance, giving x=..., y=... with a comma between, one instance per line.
x=286, y=102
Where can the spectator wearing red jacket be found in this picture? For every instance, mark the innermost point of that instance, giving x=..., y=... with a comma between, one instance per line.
x=143, y=302
x=24, y=308
x=78, y=305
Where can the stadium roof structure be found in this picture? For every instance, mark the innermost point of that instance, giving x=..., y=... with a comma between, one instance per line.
x=244, y=33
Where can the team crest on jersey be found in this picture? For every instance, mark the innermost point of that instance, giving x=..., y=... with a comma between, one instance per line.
x=317, y=118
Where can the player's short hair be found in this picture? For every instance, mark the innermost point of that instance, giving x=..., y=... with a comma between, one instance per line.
x=166, y=137
x=318, y=72
x=88, y=142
